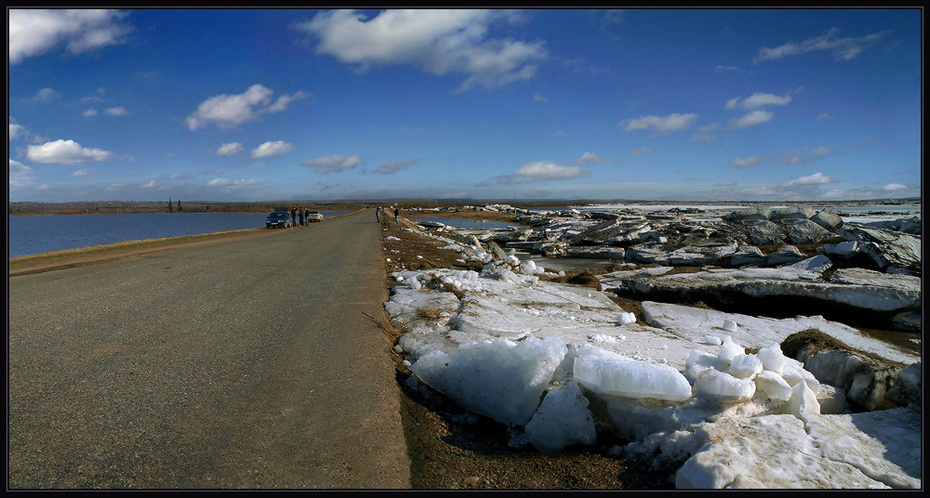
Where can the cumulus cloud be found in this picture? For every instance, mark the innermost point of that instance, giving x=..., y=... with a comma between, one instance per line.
x=891, y=187
x=672, y=122
x=435, y=40
x=842, y=48
x=809, y=181
x=642, y=150
x=33, y=32
x=116, y=111
x=271, y=149
x=230, y=149
x=80, y=172
x=89, y=113
x=333, y=163
x=394, y=166
x=65, y=152
x=589, y=158
x=751, y=118
x=229, y=111
x=542, y=172
x=539, y=98
x=756, y=101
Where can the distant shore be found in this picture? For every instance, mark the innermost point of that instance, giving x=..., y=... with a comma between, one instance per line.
x=31, y=208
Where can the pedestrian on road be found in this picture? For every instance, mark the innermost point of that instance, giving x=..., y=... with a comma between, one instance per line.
x=294, y=216
x=307, y=216
x=397, y=215
x=378, y=214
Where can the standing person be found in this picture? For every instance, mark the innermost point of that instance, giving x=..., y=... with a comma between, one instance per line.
x=397, y=215
x=300, y=214
x=294, y=216
x=378, y=214
x=307, y=216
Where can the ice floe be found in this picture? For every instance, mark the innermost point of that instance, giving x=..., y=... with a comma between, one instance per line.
x=709, y=393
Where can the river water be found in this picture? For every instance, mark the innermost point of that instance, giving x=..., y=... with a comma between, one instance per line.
x=30, y=235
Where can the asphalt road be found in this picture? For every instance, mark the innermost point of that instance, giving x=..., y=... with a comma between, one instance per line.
x=240, y=364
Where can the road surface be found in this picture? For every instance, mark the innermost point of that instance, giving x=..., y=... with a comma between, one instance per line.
x=250, y=363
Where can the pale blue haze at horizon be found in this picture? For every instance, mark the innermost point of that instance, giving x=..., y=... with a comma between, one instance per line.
x=838, y=115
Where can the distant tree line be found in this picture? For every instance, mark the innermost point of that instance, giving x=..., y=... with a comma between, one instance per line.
x=127, y=207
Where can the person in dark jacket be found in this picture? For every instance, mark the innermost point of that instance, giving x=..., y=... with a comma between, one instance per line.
x=294, y=216
x=397, y=215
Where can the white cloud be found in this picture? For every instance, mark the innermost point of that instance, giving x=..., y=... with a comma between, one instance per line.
x=229, y=111
x=757, y=100
x=115, y=111
x=751, y=118
x=33, y=32
x=271, y=149
x=80, y=172
x=90, y=113
x=589, y=158
x=150, y=184
x=65, y=152
x=809, y=181
x=740, y=162
x=542, y=172
x=20, y=175
x=672, y=122
x=17, y=131
x=842, y=48
x=435, y=40
x=230, y=149
x=284, y=101
x=394, y=166
x=45, y=95
x=230, y=184
x=894, y=186
x=642, y=150
x=539, y=98
x=825, y=116
x=333, y=163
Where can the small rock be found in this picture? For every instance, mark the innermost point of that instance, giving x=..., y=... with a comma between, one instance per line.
x=472, y=481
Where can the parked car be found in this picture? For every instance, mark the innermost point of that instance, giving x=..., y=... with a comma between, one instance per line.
x=315, y=216
x=278, y=219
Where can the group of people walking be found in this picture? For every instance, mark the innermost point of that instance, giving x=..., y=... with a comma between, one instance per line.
x=395, y=209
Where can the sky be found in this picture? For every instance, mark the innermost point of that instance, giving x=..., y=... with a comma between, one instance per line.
x=648, y=104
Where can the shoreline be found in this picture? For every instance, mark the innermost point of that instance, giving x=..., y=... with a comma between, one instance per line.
x=104, y=253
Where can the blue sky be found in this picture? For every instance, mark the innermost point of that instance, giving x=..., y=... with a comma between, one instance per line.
x=661, y=104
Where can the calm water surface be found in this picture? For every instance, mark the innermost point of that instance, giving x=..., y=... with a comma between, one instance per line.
x=464, y=223
x=40, y=234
